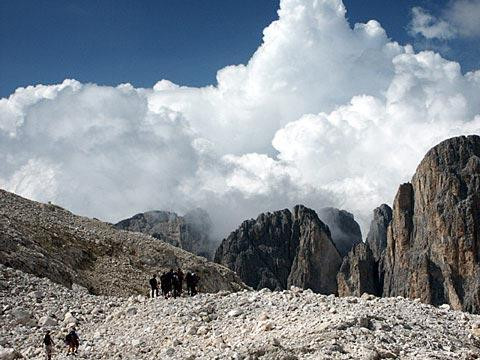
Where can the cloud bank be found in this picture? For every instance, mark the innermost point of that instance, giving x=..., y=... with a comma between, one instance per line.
x=322, y=114
x=458, y=20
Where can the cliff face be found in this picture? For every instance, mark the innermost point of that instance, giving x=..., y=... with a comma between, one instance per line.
x=433, y=245
x=377, y=234
x=344, y=230
x=191, y=232
x=49, y=241
x=281, y=249
x=359, y=273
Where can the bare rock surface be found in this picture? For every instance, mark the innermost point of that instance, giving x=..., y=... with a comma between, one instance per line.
x=289, y=324
x=433, y=247
x=48, y=241
x=344, y=230
x=191, y=232
x=281, y=249
x=359, y=273
x=377, y=233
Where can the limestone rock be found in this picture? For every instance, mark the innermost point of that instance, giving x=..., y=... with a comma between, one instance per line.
x=289, y=324
x=377, y=234
x=433, y=246
x=344, y=230
x=192, y=232
x=281, y=249
x=359, y=273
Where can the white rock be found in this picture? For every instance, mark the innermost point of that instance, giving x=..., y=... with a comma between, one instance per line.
x=235, y=312
x=69, y=318
x=47, y=321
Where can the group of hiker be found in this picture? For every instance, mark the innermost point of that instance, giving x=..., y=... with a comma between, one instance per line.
x=71, y=340
x=171, y=283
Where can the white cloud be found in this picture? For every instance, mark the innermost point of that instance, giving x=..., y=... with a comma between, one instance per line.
x=465, y=16
x=459, y=19
x=322, y=114
x=430, y=26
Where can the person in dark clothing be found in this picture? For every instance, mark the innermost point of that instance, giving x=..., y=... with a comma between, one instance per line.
x=175, y=284
x=166, y=283
x=188, y=280
x=180, y=278
x=154, y=285
x=48, y=342
x=195, y=280
x=73, y=342
x=192, y=281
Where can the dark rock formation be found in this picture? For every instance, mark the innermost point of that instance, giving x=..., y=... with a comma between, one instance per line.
x=48, y=241
x=281, y=249
x=362, y=269
x=377, y=234
x=344, y=230
x=191, y=232
x=433, y=246
x=359, y=273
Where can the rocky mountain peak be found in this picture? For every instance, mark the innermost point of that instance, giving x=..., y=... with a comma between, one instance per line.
x=191, y=232
x=377, y=234
x=345, y=231
x=281, y=249
x=433, y=247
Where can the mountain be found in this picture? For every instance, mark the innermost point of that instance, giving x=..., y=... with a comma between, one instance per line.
x=281, y=249
x=191, y=232
x=432, y=249
x=344, y=230
x=433, y=246
x=48, y=241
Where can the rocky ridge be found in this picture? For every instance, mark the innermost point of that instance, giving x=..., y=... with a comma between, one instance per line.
x=48, y=241
x=281, y=249
x=191, y=232
x=290, y=324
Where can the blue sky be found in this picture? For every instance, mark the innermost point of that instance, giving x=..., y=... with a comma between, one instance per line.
x=185, y=41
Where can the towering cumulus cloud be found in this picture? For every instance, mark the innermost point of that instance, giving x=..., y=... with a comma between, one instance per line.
x=323, y=114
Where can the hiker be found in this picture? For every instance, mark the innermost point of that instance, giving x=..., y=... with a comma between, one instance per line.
x=175, y=284
x=195, y=280
x=72, y=342
x=47, y=340
x=166, y=283
x=192, y=281
x=154, y=285
x=180, y=278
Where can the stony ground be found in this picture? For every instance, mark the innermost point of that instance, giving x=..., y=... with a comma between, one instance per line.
x=291, y=324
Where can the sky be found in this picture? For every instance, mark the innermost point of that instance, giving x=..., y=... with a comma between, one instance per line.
x=109, y=108
x=186, y=41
